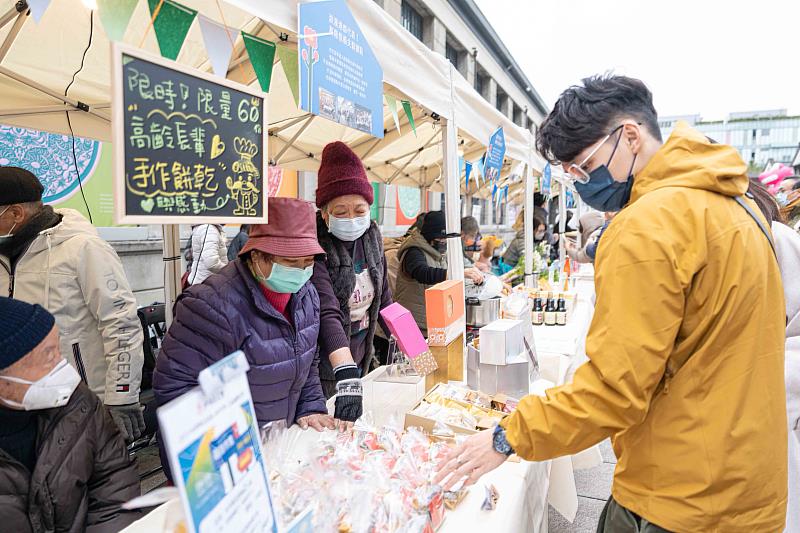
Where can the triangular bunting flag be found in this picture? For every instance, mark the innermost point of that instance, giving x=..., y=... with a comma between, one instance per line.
x=115, y=15
x=171, y=25
x=288, y=57
x=391, y=101
x=38, y=7
x=262, y=57
x=219, y=44
x=410, y=115
x=467, y=172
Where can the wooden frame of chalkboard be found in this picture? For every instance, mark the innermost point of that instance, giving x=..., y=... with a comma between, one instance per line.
x=189, y=147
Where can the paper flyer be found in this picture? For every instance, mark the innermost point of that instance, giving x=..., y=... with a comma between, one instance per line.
x=214, y=449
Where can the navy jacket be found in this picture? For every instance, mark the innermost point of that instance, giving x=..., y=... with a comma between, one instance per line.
x=228, y=312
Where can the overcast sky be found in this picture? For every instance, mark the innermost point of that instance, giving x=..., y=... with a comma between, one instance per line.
x=697, y=56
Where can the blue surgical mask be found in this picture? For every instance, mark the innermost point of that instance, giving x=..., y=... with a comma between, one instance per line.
x=603, y=192
x=284, y=279
x=782, y=198
x=348, y=229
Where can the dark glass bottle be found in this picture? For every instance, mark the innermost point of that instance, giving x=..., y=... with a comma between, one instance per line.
x=550, y=311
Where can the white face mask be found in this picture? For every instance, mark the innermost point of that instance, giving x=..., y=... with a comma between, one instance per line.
x=7, y=236
x=53, y=390
x=348, y=229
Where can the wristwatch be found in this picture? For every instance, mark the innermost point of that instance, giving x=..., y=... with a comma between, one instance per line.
x=499, y=442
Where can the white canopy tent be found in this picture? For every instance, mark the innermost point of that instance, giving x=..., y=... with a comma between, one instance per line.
x=37, y=62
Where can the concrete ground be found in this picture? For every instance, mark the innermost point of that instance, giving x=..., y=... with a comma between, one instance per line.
x=594, y=488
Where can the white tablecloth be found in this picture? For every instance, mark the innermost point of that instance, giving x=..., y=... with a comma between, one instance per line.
x=525, y=488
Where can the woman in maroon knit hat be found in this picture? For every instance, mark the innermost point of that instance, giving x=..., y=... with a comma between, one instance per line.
x=351, y=278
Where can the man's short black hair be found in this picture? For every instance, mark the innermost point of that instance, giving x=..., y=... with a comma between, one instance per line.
x=586, y=113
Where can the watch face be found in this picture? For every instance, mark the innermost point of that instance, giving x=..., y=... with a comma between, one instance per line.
x=500, y=443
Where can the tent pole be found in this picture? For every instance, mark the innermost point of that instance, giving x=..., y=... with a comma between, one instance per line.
x=172, y=264
x=14, y=31
x=530, y=279
x=411, y=159
x=79, y=106
x=562, y=220
x=288, y=145
x=452, y=188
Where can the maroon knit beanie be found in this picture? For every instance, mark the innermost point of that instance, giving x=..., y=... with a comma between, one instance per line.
x=341, y=172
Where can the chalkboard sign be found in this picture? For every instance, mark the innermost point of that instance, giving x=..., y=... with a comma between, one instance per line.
x=189, y=148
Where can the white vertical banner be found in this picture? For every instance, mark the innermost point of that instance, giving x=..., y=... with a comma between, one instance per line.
x=219, y=44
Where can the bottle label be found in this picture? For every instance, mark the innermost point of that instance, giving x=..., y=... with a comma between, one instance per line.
x=561, y=318
x=538, y=317
x=549, y=318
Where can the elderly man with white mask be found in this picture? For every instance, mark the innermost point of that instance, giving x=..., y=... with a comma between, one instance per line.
x=63, y=463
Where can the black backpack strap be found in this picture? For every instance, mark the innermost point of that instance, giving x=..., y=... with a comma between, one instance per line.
x=761, y=226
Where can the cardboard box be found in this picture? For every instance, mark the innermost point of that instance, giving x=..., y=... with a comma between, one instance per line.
x=444, y=308
x=402, y=325
x=501, y=342
x=450, y=360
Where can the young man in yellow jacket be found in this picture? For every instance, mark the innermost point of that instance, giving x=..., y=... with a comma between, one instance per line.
x=686, y=354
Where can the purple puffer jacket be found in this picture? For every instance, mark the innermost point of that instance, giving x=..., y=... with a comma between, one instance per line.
x=228, y=312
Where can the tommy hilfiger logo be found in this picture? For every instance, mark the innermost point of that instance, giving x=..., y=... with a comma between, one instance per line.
x=123, y=388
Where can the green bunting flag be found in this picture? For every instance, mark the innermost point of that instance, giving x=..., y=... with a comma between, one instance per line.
x=262, y=57
x=288, y=57
x=391, y=101
x=410, y=115
x=115, y=15
x=171, y=25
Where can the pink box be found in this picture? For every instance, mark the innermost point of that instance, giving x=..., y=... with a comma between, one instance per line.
x=404, y=328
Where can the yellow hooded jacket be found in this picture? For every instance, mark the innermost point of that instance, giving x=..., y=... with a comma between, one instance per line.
x=686, y=350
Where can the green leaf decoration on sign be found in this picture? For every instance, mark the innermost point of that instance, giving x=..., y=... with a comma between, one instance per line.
x=262, y=57
x=114, y=16
x=171, y=25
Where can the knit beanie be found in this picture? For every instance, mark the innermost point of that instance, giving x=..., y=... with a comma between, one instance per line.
x=434, y=226
x=18, y=186
x=341, y=172
x=22, y=327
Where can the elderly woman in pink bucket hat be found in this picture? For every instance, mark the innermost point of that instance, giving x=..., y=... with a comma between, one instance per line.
x=263, y=304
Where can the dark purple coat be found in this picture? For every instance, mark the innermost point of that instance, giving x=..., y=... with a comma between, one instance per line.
x=228, y=312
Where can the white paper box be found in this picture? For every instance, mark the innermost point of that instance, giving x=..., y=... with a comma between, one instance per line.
x=501, y=342
x=387, y=399
x=509, y=379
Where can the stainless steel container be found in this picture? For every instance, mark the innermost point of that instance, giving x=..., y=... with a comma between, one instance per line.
x=482, y=312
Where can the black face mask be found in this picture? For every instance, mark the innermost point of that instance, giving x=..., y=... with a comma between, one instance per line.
x=603, y=192
x=440, y=246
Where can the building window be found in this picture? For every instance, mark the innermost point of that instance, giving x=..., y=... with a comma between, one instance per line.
x=765, y=132
x=479, y=83
x=518, y=116
x=500, y=102
x=451, y=53
x=412, y=20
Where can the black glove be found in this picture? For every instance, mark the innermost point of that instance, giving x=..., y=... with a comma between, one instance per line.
x=349, y=394
x=129, y=419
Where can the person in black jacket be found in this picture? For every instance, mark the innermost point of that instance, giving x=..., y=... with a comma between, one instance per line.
x=238, y=242
x=423, y=263
x=63, y=464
